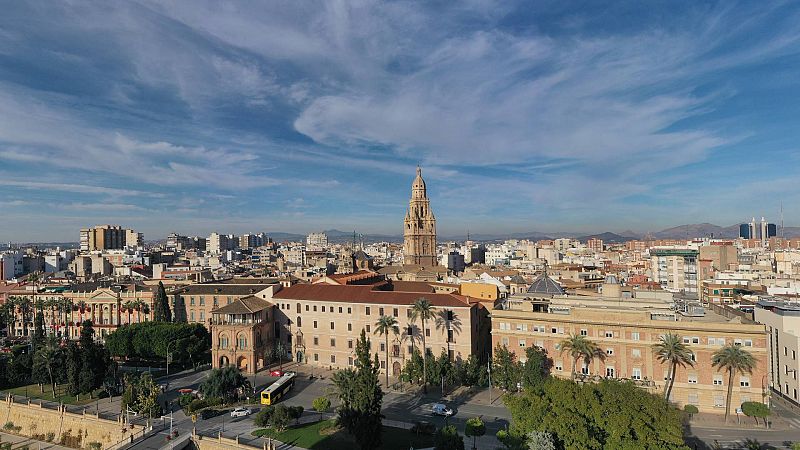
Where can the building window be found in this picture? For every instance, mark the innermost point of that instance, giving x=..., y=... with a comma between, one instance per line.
x=367, y=310
x=316, y=357
x=692, y=379
x=719, y=401
x=717, y=380
x=609, y=351
x=191, y=316
x=559, y=366
x=395, y=312
x=693, y=399
x=331, y=325
x=609, y=334
x=330, y=308
x=636, y=353
x=349, y=310
x=202, y=316
x=299, y=321
x=242, y=342
x=635, y=335
x=522, y=342
x=749, y=343
x=427, y=332
x=584, y=332
x=316, y=340
x=686, y=339
x=299, y=308
x=737, y=342
x=505, y=341
x=307, y=307
x=695, y=340
x=383, y=347
x=720, y=341
x=340, y=310
x=315, y=324
x=380, y=311
x=350, y=343
x=637, y=373
x=712, y=341
x=744, y=382
x=349, y=327
x=610, y=372
x=191, y=301
x=349, y=360
x=333, y=342
x=554, y=330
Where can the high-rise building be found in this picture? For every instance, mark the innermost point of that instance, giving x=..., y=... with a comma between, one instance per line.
x=109, y=237
x=744, y=231
x=419, y=231
x=317, y=240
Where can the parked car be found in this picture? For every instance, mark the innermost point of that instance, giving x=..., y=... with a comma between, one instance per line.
x=276, y=373
x=440, y=409
x=184, y=391
x=241, y=411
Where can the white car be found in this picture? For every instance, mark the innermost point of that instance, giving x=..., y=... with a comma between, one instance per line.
x=440, y=409
x=240, y=412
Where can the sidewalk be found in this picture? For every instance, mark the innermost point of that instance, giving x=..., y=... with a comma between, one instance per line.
x=742, y=422
x=32, y=444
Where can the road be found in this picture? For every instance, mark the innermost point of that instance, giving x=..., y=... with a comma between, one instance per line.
x=399, y=407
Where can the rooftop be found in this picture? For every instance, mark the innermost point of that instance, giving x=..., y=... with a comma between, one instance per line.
x=366, y=294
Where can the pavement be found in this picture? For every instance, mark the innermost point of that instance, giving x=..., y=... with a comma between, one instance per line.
x=32, y=444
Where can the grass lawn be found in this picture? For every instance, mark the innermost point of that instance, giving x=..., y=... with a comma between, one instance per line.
x=325, y=436
x=34, y=391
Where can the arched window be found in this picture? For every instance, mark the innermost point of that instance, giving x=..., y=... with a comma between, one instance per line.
x=299, y=321
x=242, y=342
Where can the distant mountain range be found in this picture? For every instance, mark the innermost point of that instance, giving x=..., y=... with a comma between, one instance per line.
x=688, y=231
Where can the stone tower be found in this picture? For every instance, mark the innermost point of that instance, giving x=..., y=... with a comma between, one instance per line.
x=419, y=232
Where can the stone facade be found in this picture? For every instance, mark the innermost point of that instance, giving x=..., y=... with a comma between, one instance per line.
x=419, y=231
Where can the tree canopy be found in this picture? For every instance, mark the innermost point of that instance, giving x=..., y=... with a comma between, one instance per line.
x=161, y=310
x=361, y=397
x=609, y=414
x=188, y=342
x=225, y=383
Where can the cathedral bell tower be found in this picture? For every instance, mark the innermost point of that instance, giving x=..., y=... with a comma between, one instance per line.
x=419, y=231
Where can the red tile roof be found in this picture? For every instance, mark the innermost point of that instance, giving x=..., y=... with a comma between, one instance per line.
x=365, y=294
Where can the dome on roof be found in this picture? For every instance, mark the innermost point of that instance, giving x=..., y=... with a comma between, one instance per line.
x=546, y=285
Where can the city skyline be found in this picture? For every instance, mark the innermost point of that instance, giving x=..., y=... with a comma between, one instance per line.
x=554, y=117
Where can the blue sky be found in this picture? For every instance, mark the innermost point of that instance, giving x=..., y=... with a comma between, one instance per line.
x=198, y=116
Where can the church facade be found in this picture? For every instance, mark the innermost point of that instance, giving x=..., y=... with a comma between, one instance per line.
x=419, y=230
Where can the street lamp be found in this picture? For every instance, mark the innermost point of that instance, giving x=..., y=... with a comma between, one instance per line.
x=168, y=344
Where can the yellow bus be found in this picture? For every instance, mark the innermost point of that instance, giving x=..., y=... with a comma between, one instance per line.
x=278, y=389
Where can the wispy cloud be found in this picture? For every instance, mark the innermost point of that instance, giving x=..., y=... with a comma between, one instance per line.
x=544, y=113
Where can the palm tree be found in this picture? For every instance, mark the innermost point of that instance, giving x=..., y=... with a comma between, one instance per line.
x=383, y=327
x=423, y=310
x=671, y=350
x=48, y=356
x=579, y=347
x=732, y=358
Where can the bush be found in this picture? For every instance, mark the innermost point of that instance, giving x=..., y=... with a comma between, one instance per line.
x=50, y=436
x=9, y=426
x=447, y=438
x=95, y=446
x=263, y=417
x=690, y=410
x=5, y=446
x=756, y=410
x=185, y=400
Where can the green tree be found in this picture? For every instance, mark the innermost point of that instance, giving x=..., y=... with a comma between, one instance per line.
x=161, y=310
x=38, y=329
x=280, y=419
x=580, y=348
x=385, y=326
x=72, y=361
x=264, y=416
x=756, y=410
x=423, y=310
x=671, y=350
x=595, y=416
x=447, y=438
x=361, y=397
x=413, y=370
x=691, y=410
x=224, y=383
x=475, y=428
x=536, y=368
x=505, y=368
x=732, y=358
x=147, y=397
x=48, y=361
x=320, y=405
